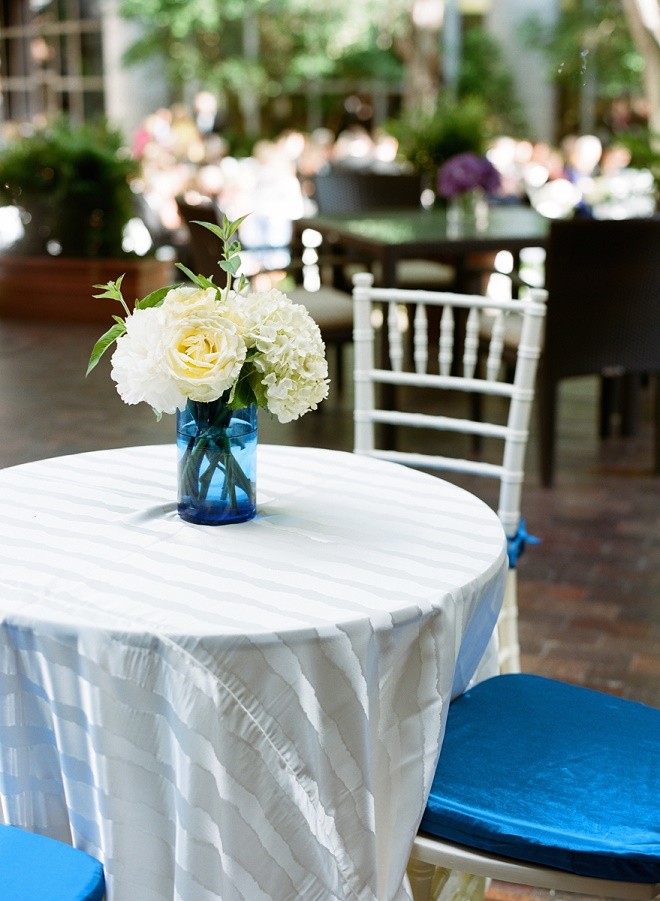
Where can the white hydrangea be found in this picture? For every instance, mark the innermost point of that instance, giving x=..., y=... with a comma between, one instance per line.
x=290, y=354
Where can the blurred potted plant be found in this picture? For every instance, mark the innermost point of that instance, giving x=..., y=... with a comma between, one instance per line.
x=428, y=141
x=72, y=185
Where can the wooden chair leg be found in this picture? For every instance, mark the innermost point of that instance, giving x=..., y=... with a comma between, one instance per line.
x=630, y=382
x=547, y=416
x=507, y=627
x=431, y=883
x=656, y=456
x=339, y=374
x=608, y=403
x=420, y=875
x=476, y=414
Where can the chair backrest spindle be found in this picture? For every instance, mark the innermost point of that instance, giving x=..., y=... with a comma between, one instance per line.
x=446, y=343
x=394, y=338
x=421, y=342
x=471, y=345
x=496, y=346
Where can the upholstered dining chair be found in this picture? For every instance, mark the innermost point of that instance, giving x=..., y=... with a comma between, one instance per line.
x=36, y=868
x=406, y=368
x=603, y=283
x=545, y=784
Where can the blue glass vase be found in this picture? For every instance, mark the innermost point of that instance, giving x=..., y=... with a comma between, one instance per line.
x=217, y=463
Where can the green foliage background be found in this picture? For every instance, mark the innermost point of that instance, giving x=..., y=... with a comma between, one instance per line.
x=297, y=42
x=74, y=184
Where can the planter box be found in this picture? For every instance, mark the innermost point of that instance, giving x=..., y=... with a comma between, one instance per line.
x=60, y=289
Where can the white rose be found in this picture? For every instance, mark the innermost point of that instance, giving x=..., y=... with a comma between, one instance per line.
x=186, y=300
x=137, y=364
x=204, y=354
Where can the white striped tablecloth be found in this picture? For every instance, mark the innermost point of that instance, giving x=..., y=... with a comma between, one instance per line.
x=250, y=711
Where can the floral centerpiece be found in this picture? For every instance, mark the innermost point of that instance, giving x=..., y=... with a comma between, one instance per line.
x=467, y=172
x=465, y=179
x=213, y=355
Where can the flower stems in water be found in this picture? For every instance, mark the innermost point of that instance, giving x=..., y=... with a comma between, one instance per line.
x=209, y=453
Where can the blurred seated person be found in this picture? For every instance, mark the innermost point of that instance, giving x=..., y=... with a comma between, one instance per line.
x=207, y=115
x=583, y=155
x=274, y=198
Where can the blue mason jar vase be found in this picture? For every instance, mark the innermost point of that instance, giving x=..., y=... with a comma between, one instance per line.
x=217, y=463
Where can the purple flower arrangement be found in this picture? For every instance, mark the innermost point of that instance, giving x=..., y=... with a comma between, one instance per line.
x=465, y=172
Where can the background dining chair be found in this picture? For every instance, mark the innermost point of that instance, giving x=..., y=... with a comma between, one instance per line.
x=410, y=373
x=204, y=248
x=36, y=868
x=545, y=784
x=343, y=190
x=603, y=283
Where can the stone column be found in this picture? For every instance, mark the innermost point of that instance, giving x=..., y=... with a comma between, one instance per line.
x=529, y=68
x=131, y=92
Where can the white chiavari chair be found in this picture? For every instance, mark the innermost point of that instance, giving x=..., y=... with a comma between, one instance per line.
x=435, y=372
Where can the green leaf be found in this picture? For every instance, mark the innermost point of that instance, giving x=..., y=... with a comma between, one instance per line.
x=212, y=227
x=248, y=388
x=186, y=271
x=242, y=394
x=231, y=261
x=231, y=266
x=231, y=227
x=205, y=282
x=224, y=231
x=154, y=299
x=111, y=290
x=104, y=343
x=200, y=280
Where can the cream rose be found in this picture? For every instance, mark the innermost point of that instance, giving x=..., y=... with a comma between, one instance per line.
x=203, y=354
x=186, y=300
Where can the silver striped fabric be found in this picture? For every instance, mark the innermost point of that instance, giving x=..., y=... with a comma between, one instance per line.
x=240, y=712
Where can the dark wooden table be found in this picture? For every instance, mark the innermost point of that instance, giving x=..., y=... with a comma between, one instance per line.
x=386, y=237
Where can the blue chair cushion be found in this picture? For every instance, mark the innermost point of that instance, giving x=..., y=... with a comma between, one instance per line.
x=36, y=868
x=553, y=774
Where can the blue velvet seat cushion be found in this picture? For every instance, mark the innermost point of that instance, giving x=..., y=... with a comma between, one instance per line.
x=35, y=868
x=550, y=773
